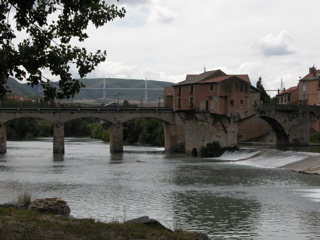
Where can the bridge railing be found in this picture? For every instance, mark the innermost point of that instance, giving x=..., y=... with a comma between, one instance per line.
x=86, y=109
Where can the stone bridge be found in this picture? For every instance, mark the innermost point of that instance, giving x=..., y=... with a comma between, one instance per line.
x=116, y=116
x=184, y=131
x=291, y=123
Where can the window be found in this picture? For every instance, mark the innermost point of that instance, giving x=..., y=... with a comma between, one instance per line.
x=191, y=101
x=241, y=87
x=191, y=89
x=179, y=102
x=241, y=101
x=231, y=103
x=179, y=91
x=211, y=87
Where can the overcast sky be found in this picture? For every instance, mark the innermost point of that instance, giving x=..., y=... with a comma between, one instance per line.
x=167, y=39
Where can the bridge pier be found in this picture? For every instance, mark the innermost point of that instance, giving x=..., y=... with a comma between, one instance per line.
x=174, y=137
x=3, y=138
x=202, y=128
x=58, y=137
x=116, y=138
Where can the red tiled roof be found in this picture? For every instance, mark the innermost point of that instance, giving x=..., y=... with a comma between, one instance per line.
x=211, y=76
x=310, y=76
x=289, y=90
x=191, y=78
x=223, y=78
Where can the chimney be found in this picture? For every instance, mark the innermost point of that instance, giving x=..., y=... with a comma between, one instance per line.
x=312, y=71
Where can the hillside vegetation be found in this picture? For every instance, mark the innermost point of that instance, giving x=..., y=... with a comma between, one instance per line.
x=117, y=88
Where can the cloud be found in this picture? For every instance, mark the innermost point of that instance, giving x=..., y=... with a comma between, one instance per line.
x=120, y=70
x=135, y=2
x=160, y=14
x=281, y=44
x=273, y=73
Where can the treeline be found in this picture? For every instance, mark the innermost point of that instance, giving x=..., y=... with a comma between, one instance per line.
x=137, y=131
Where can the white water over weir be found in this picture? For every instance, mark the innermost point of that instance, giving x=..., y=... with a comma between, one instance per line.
x=268, y=158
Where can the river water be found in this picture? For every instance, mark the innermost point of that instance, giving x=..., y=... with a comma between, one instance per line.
x=242, y=195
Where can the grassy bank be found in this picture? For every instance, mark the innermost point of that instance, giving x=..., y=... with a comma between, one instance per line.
x=26, y=224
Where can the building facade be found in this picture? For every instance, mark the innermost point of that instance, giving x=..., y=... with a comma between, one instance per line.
x=309, y=87
x=289, y=96
x=307, y=92
x=214, y=92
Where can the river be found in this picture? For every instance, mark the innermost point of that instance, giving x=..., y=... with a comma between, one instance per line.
x=242, y=195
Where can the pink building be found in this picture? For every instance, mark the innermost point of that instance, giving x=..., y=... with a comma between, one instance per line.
x=307, y=92
x=214, y=92
x=309, y=87
x=289, y=96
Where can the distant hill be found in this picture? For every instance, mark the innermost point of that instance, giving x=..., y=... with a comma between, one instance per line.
x=126, y=88
x=23, y=89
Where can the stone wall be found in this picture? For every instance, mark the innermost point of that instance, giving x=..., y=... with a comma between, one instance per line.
x=253, y=127
x=216, y=128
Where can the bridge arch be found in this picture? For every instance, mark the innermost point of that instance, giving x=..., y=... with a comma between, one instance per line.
x=291, y=123
x=281, y=135
x=30, y=115
x=117, y=117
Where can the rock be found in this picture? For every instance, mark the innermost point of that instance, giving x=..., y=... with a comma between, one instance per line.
x=148, y=221
x=54, y=206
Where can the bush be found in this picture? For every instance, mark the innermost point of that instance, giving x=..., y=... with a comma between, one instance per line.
x=315, y=138
x=214, y=150
x=99, y=132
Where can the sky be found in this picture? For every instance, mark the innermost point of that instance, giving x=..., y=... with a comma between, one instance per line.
x=277, y=40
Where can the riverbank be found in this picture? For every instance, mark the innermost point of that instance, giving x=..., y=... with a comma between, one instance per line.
x=310, y=165
x=27, y=224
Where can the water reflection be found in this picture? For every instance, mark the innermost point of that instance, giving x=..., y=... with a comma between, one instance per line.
x=219, y=216
x=116, y=158
x=58, y=157
x=222, y=199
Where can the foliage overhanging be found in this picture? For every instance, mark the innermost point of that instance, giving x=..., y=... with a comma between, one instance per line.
x=48, y=45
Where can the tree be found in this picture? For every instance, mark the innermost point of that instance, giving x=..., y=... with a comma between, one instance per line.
x=48, y=45
x=264, y=97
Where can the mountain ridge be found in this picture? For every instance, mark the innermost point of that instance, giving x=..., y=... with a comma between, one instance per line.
x=115, y=88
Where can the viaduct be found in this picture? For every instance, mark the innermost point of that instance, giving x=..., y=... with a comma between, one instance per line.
x=185, y=131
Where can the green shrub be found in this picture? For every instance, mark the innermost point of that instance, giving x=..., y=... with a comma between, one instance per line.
x=214, y=150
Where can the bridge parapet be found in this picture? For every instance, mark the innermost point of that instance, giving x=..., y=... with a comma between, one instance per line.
x=113, y=115
x=289, y=108
x=291, y=123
